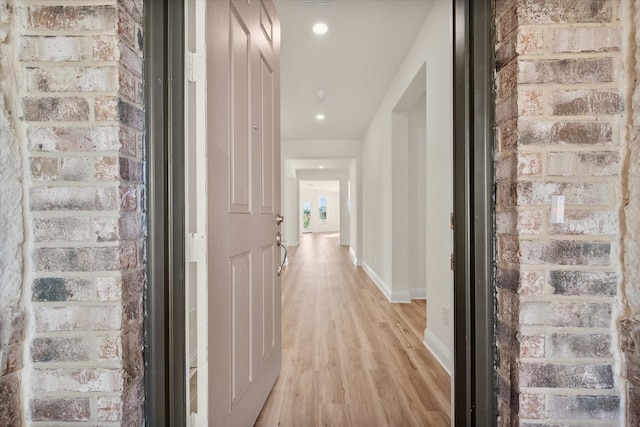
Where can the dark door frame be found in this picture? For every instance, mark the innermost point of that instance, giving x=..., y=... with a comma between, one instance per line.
x=474, y=307
x=165, y=358
x=474, y=284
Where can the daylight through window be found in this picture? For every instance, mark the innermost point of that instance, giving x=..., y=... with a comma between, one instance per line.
x=322, y=209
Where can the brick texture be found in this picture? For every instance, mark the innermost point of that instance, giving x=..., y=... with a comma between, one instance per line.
x=78, y=409
x=565, y=124
x=560, y=108
x=507, y=163
x=629, y=320
x=12, y=309
x=80, y=97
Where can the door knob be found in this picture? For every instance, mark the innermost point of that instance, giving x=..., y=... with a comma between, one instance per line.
x=279, y=238
x=279, y=219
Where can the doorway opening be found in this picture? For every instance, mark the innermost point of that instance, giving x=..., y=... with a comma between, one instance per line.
x=165, y=334
x=422, y=179
x=320, y=207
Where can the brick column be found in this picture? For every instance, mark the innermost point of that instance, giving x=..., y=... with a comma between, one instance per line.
x=12, y=314
x=629, y=321
x=81, y=97
x=559, y=119
x=507, y=274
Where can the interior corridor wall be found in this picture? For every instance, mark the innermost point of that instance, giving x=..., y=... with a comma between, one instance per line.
x=289, y=202
x=417, y=224
x=355, y=212
x=433, y=46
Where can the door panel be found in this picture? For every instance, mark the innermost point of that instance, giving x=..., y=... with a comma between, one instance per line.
x=266, y=136
x=243, y=169
x=240, y=275
x=266, y=24
x=240, y=167
x=268, y=301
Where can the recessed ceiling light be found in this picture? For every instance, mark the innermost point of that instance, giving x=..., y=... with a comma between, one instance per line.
x=321, y=167
x=319, y=116
x=320, y=28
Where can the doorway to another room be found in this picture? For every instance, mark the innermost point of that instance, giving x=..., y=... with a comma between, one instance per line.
x=320, y=207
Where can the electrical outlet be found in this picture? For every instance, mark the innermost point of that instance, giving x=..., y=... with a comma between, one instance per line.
x=445, y=315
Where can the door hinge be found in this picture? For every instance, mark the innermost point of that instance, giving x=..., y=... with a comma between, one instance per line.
x=453, y=262
x=196, y=247
x=195, y=67
x=453, y=222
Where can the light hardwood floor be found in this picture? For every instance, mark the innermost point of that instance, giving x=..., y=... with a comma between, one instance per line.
x=350, y=358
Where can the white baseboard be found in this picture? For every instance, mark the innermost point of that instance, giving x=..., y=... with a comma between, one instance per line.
x=401, y=296
x=377, y=280
x=356, y=261
x=397, y=296
x=418, y=293
x=440, y=352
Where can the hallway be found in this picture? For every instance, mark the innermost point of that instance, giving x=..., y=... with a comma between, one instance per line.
x=350, y=358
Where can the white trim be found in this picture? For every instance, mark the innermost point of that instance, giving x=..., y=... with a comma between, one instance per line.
x=395, y=297
x=377, y=280
x=199, y=10
x=356, y=261
x=418, y=293
x=401, y=297
x=440, y=352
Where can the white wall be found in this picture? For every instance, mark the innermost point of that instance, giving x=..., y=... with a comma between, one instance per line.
x=417, y=150
x=355, y=217
x=399, y=284
x=432, y=47
x=333, y=210
x=290, y=233
x=321, y=149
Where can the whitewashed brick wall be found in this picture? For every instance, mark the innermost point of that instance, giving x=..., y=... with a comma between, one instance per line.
x=562, y=86
x=79, y=123
x=12, y=313
x=629, y=314
x=567, y=293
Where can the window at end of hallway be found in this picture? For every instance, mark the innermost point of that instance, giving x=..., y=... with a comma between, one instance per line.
x=306, y=215
x=322, y=209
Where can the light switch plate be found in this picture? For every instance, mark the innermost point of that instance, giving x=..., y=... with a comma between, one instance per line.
x=557, y=209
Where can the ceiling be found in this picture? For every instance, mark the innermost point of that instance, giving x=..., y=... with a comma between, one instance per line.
x=327, y=164
x=320, y=185
x=354, y=62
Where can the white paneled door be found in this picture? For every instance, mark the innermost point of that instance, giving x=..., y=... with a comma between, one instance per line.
x=243, y=152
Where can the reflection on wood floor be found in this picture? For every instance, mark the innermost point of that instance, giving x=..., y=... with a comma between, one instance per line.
x=350, y=358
